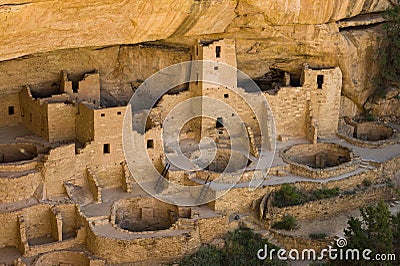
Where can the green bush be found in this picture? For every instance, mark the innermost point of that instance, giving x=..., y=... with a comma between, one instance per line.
x=369, y=117
x=288, y=196
x=241, y=247
x=367, y=183
x=288, y=222
x=325, y=193
x=389, y=183
x=207, y=255
x=317, y=235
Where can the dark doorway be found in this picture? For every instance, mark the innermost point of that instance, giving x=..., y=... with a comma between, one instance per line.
x=218, y=51
x=11, y=110
x=320, y=81
x=106, y=148
x=219, y=123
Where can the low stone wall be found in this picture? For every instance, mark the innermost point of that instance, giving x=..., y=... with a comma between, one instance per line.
x=19, y=166
x=369, y=144
x=391, y=167
x=143, y=249
x=59, y=245
x=19, y=188
x=228, y=178
x=369, y=134
x=94, y=185
x=294, y=156
x=15, y=152
x=212, y=228
x=300, y=242
x=332, y=206
x=185, y=236
x=241, y=199
x=306, y=171
x=65, y=257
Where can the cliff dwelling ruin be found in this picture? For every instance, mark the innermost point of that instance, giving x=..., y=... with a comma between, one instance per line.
x=72, y=191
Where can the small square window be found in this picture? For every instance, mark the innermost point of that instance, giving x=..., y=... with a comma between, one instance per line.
x=103, y=115
x=119, y=113
x=215, y=68
x=11, y=110
x=106, y=148
x=226, y=95
x=150, y=144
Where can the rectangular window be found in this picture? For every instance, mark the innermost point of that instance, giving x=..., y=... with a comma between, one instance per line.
x=103, y=115
x=226, y=95
x=106, y=148
x=150, y=144
x=217, y=51
x=320, y=81
x=119, y=113
x=11, y=110
x=215, y=68
x=219, y=123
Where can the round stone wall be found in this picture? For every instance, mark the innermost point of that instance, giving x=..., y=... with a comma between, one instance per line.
x=63, y=258
x=144, y=214
x=15, y=152
x=369, y=134
x=321, y=160
x=372, y=131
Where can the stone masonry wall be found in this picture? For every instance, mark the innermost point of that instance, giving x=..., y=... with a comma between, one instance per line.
x=9, y=102
x=61, y=121
x=19, y=188
x=34, y=114
x=332, y=206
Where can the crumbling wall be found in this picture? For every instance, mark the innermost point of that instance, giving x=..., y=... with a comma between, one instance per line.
x=34, y=114
x=9, y=229
x=89, y=88
x=84, y=124
x=59, y=166
x=37, y=219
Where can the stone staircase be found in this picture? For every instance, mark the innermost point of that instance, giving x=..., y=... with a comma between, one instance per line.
x=366, y=164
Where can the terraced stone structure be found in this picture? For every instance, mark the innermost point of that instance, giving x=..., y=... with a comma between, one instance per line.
x=68, y=197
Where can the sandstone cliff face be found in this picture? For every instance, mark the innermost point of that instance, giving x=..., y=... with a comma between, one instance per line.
x=269, y=33
x=36, y=26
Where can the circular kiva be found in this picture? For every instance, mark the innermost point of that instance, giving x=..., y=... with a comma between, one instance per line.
x=369, y=134
x=15, y=152
x=320, y=160
x=63, y=258
x=151, y=91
